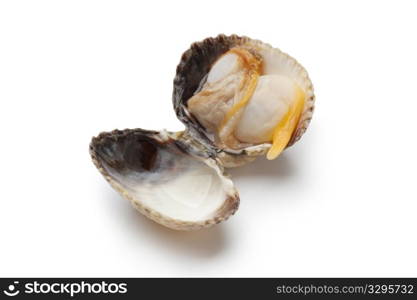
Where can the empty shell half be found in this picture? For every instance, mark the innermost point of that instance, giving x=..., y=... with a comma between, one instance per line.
x=167, y=178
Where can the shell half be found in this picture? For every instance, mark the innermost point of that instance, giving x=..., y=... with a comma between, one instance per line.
x=193, y=72
x=168, y=178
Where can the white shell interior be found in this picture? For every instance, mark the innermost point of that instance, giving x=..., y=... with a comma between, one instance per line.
x=180, y=186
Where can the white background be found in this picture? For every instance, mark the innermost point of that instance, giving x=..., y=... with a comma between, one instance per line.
x=341, y=202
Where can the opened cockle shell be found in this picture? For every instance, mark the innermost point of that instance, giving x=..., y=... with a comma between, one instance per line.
x=242, y=97
x=238, y=98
